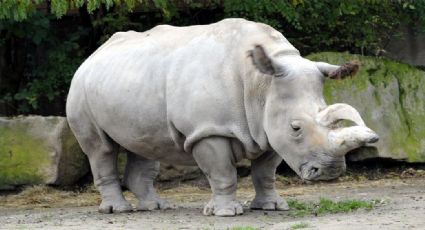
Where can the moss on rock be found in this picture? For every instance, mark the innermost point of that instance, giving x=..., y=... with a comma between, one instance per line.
x=39, y=150
x=22, y=158
x=390, y=97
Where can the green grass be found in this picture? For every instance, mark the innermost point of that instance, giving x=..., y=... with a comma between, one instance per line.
x=326, y=206
x=244, y=228
x=300, y=225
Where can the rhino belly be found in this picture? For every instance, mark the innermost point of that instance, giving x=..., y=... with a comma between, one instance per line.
x=149, y=138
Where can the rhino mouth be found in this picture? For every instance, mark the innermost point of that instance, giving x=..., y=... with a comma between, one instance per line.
x=309, y=172
x=322, y=169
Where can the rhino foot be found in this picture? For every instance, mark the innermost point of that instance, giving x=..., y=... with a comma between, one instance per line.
x=110, y=206
x=157, y=203
x=270, y=203
x=231, y=208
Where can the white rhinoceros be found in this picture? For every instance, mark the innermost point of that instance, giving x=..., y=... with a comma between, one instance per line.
x=208, y=95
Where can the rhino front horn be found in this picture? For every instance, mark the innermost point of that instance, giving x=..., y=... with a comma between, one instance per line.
x=336, y=112
x=345, y=139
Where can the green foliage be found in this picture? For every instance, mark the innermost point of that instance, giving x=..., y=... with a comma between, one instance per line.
x=118, y=20
x=268, y=11
x=167, y=7
x=21, y=10
x=35, y=30
x=326, y=206
x=59, y=7
x=359, y=26
x=50, y=79
x=17, y=10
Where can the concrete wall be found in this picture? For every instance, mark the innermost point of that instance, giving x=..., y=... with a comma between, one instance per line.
x=409, y=47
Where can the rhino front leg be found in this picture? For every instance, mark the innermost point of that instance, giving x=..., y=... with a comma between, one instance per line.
x=140, y=174
x=214, y=156
x=263, y=171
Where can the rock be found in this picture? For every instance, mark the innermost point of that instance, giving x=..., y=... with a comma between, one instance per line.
x=390, y=96
x=39, y=150
x=169, y=172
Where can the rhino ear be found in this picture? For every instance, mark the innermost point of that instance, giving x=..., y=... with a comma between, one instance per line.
x=263, y=62
x=339, y=72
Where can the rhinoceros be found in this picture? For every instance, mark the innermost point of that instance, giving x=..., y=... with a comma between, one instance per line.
x=208, y=95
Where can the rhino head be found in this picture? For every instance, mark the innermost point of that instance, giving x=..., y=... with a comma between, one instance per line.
x=298, y=124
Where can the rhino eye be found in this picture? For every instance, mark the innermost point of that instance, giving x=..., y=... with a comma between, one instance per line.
x=296, y=126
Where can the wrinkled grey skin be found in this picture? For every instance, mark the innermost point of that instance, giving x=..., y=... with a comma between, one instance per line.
x=209, y=96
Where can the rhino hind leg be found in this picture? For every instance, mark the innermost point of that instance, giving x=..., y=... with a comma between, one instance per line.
x=215, y=158
x=102, y=154
x=140, y=174
x=263, y=171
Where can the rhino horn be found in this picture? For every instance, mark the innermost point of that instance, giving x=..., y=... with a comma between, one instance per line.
x=336, y=112
x=339, y=72
x=342, y=140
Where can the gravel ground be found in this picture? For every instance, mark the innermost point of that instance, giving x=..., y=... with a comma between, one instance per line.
x=403, y=208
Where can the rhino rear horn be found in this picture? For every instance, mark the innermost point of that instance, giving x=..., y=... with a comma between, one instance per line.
x=339, y=72
x=337, y=112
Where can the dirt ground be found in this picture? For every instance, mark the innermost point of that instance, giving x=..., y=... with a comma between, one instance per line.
x=402, y=206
